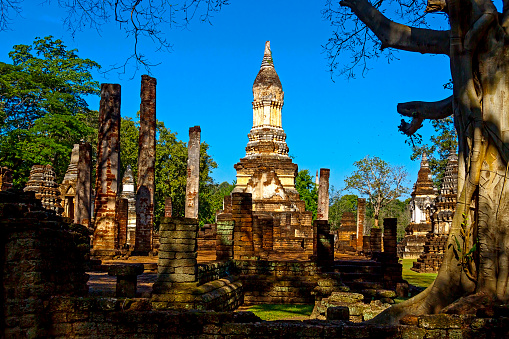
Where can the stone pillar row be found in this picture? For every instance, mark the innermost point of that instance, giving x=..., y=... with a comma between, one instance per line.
x=109, y=214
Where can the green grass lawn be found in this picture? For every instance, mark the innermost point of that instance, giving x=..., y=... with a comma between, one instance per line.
x=414, y=278
x=281, y=311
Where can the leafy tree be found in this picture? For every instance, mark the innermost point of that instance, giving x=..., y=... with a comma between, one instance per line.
x=379, y=181
x=340, y=204
x=395, y=209
x=475, y=262
x=216, y=196
x=43, y=111
x=308, y=191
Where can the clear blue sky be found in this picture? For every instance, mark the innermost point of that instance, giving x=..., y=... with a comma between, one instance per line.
x=207, y=79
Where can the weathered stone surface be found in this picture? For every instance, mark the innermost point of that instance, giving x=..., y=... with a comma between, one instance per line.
x=193, y=172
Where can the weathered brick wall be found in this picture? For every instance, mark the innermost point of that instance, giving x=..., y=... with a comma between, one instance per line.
x=121, y=318
x=242, y=215
x=277, y=282
x=41, y=256
x=213, y=271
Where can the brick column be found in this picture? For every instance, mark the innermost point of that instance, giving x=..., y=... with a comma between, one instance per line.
x=83, y=197
x=146, y=167
x=323, y=195
x=324, y=243
x=375, y=241
x=193, y=172
x=242, y=214
x=361, y=217
x=108, y=157
x=122, y=217
x=177, y=254
x=389, y=239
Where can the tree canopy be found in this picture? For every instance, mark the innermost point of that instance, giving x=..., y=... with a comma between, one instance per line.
x=308, y=191
x=379, y=181
x=43, y=111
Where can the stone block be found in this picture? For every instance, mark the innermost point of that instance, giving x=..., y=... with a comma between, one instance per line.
x=338, y=313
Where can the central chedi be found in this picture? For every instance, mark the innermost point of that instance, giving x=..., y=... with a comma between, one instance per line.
x=268, y=173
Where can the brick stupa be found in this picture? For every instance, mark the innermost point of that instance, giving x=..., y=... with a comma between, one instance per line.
x=268, y=173
x=436, y=240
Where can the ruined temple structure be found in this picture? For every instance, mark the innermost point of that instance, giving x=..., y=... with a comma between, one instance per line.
x=422, y=207
x=42, y=182
x=68, y=186
x=268, y=173
x=5, y=178
x=129, y=194
x=434, y=247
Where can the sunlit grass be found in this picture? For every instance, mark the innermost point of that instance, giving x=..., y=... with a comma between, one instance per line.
x=414, y=278
x=281, y=311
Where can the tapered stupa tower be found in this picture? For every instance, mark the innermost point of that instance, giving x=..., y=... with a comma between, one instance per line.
x=266, y=151
x=268, y=173
x=267, y=136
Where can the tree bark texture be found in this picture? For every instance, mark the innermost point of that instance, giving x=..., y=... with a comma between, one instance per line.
x=477, y=256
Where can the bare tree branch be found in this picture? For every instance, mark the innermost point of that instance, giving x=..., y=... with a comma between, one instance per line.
x=139, y=20
x=396, y=35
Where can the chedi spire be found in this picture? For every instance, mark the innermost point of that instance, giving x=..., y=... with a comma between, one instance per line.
x=267, y=136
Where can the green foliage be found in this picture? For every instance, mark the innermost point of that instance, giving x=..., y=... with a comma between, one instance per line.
x=437, y=148
x=171, y=170
x=43, y=111
x=379, y=181
x=339, y=204
x=216, y=196
x=307, y=190
x=465, y=255
x=395, y=209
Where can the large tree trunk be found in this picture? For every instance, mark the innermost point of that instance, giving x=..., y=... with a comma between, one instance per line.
x=477, y=256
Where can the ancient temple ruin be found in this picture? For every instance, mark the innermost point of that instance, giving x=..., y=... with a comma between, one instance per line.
x=42, y=182
x=268, y=173
x=68, y=186
x=436, y=239
x=422, y=207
